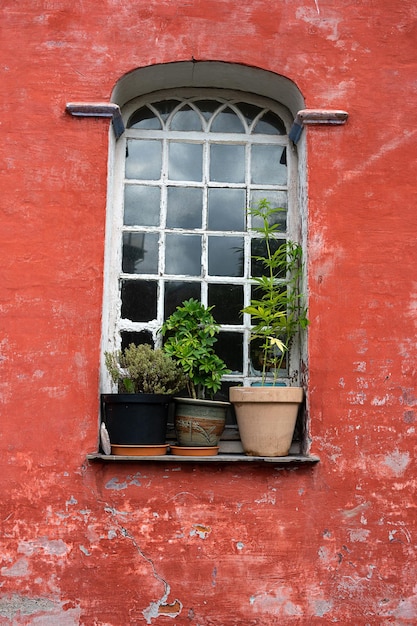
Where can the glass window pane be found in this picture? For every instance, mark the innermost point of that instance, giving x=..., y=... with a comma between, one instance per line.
x=139, y=300
x=226, y=209
x=225, y=256
x=227, y=122
x=184, y=207
x=176, y=292
x=141, y=205
x=266, y=167
x=258, y=249
x=143, y=159
x=144, y=118
x=186, y=119
x=270, y=124
x=256, y=356
x=278, y=199
x=227, y=163
x=207, y=107
x=165, y=107
x=185, y=161
x=228, y=303
x=140, y=253
x=183, y=254
x=138, y=339
x=229, y=347
x=250, y=111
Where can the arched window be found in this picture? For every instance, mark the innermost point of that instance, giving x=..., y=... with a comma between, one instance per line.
x=188, y=164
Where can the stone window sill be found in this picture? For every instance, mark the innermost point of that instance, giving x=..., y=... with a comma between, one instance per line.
x=292, y=459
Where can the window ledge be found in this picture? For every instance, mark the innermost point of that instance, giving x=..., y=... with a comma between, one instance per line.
x=219, y=458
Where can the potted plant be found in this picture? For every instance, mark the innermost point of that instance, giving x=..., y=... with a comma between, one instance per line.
x=266, y=413
x=190, y=335
x=146, y=380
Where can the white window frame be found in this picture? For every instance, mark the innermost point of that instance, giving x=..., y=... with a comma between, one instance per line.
x=113, y=324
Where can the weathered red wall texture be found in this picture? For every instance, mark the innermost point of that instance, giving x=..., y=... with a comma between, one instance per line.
x=106, y=544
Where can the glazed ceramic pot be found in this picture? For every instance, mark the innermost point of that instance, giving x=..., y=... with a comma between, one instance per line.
x=199, y=422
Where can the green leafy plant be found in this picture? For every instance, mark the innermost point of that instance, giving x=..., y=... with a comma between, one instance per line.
x=142, y=369
x=191, y=332
x=277, y=309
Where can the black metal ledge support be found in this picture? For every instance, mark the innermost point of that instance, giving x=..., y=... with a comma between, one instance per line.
x=98, y=109
x=315, y=116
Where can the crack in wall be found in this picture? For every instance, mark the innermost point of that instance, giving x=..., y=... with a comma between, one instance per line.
x=161, y=606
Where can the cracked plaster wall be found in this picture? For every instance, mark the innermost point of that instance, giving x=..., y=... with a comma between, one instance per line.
x=96, y=545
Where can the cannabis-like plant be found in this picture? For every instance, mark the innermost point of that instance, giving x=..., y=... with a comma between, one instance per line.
x=190, y=336
x=277, y=311
x=142, y=369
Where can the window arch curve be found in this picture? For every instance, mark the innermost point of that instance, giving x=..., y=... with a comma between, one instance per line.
x=189, y=162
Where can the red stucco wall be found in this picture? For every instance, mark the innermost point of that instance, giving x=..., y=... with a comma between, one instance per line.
x=111, y=545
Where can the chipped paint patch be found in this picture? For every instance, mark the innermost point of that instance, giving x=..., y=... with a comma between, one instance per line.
x=201, y=531
x=397, y=462
x=319, y=608
x=114, y=483
x=276, y=602
x=53, y=547
x=358, y=510
x=42, y=611
x=19, y=569
x=359, y=535
x=381, y=401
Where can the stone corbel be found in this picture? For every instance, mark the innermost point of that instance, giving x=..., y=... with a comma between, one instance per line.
x=315, y=116
x=98, y=109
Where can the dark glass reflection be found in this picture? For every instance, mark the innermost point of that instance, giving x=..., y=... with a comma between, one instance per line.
x=226, y=209
x=225, y=256
x=185, y=161
x=139, y=299
x=138, y=339
x=266, y=167
x=144, y=118
x=258, y=249
x=229, y=347
x=140, y=253
x=186, y=119
x=141, y=205
x=256, y=356
x=176, y=292
x=165, y=107
x=227, y=163
x=143, y=159
x=228, y=302
x=270, y=124
x=207, y=107
x=250, y=111
x=227, y=122
x=183, y=254
x=184, y=207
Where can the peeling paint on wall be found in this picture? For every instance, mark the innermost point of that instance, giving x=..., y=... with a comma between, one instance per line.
x=206, y=544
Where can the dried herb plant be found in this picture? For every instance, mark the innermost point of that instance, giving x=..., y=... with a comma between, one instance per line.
x=142, y=369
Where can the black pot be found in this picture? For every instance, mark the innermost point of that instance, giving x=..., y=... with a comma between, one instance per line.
x=135, y=419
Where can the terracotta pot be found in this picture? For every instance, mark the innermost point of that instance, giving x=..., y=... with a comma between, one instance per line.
x=151, y=450
x=199, y=422
x=266, y=417
x=194, y=451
